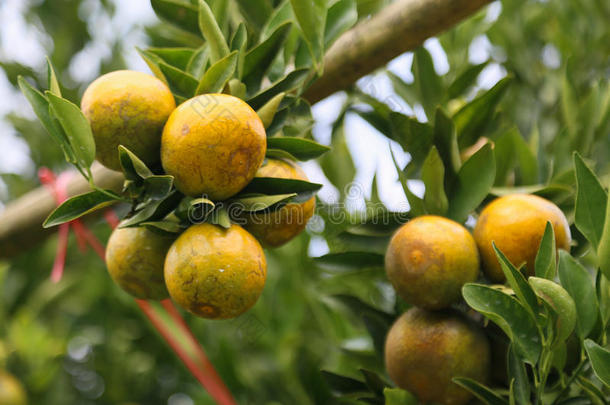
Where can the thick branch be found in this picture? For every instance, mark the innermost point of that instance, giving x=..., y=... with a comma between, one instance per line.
x=400, y=27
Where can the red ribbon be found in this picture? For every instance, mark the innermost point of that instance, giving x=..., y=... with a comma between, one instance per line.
x=199, y=365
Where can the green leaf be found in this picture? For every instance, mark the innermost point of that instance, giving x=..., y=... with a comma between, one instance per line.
x=603, y=250
x=433, y=176
x=415, y=137
x=359, y=308
x=256, y=12
x=528, y=165
x=274, y=186
x=378, y=328
x=472, y=119
x=212, y=32
x=40, y=105
x=195, y=210
x=152, y=61
x=480, y=391
x=343, y=385
x=427, y=83
x=217, y=76
x=166, y=226
x=591, y=201
x=239, y=43
x=198, y=62
x=311, y=16
x=338, y=166
x=569, y=101
x=76, y=128
x=416, y=204
x=179, y=81
x=182, y=14
x=281, y=15
x=517, y=372
x=259, y=202
x=445, y=140
x=465, y=80
x=220, y=217
x=133, y=168
x=596, y=396
x=577, y=281
x=176, y=57
x=518, y=283
x=473, y=183
x=258, y=59
x=561, y=302
x=406, y=91
x=52, y=79
x=156, y=187
x=79, y=205
x=397, y=396
x=600, y=360
x=300, y=148
x=510, y=315
x=375, y=383
x=154, y=211
x=342, y=16
x=349, y=261
x=285, y=84
x=267, y=112
x=546, y=258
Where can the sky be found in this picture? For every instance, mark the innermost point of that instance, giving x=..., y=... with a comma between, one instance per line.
x=370, y=150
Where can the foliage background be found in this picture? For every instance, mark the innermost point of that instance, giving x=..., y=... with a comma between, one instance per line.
x=84, y=341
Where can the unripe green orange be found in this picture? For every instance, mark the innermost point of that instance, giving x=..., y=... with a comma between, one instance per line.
x=425, y=350
x=135, y=259
x=214, y=272
x=516, y=224
x=429, y=259
x=277, y=227
x=213, y=145
x=127, y=108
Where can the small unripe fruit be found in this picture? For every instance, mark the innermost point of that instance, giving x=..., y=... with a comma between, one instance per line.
x=425, y=350
x=127, y=108
x=215, y=273
x=429, y=259
x=516, y=224
x=135, y=258
x=213, y=145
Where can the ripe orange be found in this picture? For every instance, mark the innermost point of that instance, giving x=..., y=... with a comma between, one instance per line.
x=213, y=145
x=127, y=108
x=429, y=259
x=278, y=227
x=516, y=224
x=425, y=350
x=214, y=272
x=135, y=258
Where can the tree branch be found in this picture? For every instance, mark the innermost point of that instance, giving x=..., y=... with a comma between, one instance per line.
x=400, y=27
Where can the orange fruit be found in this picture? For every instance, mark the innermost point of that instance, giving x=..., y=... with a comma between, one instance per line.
x=274, y=228
x=11, y=390
x=425, y=350
x=214, y=272
x=127, y=108
x=135, y=259
x=213, y=145
x=429, y=259
x=516, y=224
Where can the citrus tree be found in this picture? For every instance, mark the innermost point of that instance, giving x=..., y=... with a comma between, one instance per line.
x=495, y=283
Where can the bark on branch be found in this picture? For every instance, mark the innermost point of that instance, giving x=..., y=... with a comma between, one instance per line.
x=400, y=27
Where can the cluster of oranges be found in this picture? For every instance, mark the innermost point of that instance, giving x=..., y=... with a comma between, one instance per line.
x=213, y=145
x=428, y=261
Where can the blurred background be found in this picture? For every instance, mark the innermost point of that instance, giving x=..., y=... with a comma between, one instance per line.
x=83, y=341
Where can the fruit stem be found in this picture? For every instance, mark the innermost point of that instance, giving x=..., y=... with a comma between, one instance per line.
x=575, y=374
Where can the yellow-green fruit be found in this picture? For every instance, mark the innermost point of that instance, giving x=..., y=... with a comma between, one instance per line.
x=277, y=227
x=135, y=259
x=429, y=259
x=127, y=108
x=516, y=224
x=425, y=350
x=215, y=273
x=213, y=145
x=11, y=390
